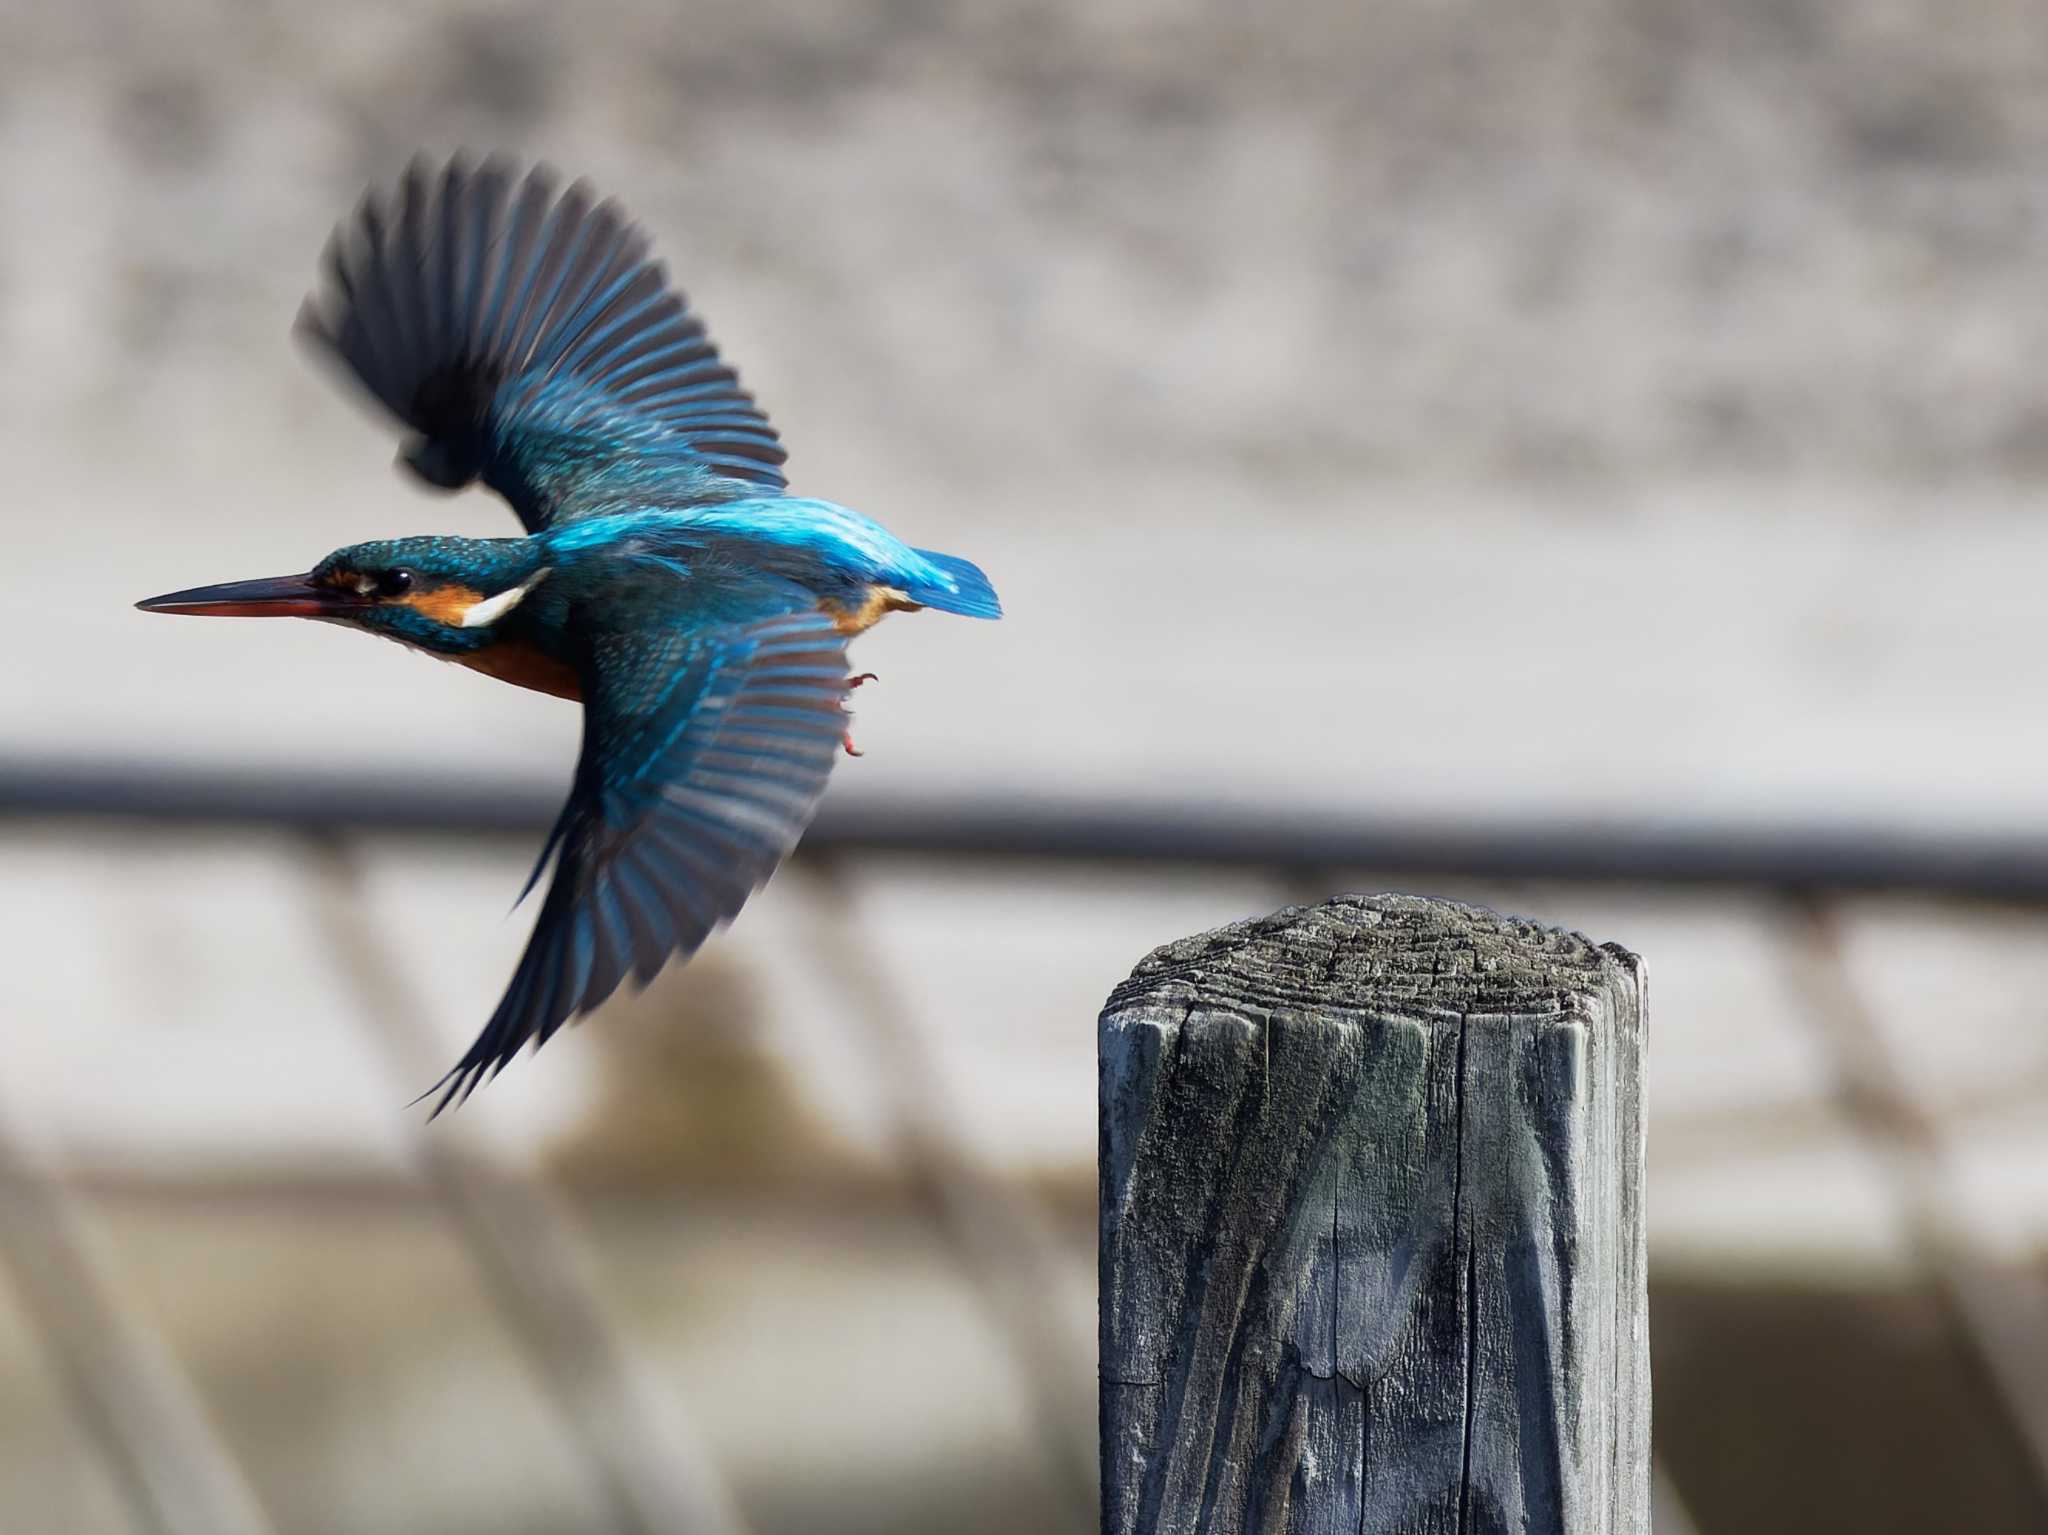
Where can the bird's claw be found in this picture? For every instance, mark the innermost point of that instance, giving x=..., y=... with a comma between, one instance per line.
x=846, y=740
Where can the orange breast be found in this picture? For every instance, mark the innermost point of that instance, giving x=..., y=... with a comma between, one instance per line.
x=524, y=665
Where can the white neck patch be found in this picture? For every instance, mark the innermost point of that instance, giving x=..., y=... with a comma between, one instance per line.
x=491, y=609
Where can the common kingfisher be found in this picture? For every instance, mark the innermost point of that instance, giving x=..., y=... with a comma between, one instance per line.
x=526, y=337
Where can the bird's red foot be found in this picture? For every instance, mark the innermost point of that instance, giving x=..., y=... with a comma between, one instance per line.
x=846, y=740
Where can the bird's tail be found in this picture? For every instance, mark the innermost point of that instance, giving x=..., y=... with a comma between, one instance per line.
x=959, y=588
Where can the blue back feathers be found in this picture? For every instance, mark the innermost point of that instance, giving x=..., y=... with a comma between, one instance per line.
x=830, y=550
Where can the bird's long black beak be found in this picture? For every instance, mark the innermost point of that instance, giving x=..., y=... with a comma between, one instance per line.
x=271, y=597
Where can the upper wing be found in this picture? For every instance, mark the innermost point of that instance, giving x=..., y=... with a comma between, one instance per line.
x=715, y=748
x=531, y=342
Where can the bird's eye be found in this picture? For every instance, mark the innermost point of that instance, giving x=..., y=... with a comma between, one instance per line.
x=394, y=583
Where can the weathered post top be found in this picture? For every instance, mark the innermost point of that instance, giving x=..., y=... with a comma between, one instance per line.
x=1372, y=1237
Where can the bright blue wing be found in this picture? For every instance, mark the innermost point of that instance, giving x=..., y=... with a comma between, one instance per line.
x=532, y=343
x=704, y=754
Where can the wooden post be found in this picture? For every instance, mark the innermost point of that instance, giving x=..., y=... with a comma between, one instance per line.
x=1372, y=1230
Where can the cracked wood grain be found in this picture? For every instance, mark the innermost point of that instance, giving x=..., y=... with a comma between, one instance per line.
x=1372, y=1230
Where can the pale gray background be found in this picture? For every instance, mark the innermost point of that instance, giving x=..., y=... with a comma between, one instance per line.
x=1626, y=408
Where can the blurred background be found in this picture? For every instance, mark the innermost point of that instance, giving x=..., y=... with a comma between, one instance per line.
x=1585, y=457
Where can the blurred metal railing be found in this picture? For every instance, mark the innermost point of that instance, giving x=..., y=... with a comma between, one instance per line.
x=135, y=1406
x=635, y=1439
x=1836, y=859
x=988, y=1223
x=1997, y=1315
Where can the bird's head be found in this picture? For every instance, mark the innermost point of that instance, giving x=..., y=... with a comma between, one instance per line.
x=450, y=595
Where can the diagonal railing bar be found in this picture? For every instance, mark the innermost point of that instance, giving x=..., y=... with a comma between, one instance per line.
x=131, y=1398
x=640, y=1447
x=1999, y=1318
x=996, y=1230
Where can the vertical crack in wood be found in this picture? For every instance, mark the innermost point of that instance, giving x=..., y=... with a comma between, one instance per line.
x=1195, y=1364
x=1336, y=1256
x=1461, y=1233
x=1541, y=1293
x=1610, y=1198
x=1471, y=1389
x=1222, y=1425
x=1540, y=1359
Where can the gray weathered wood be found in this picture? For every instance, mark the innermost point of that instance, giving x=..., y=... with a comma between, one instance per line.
x=1372, y=1229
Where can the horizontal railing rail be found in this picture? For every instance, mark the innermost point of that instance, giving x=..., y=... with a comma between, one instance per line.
x=1820, y=859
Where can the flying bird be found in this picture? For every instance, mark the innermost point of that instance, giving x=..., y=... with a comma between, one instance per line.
x=524, y=337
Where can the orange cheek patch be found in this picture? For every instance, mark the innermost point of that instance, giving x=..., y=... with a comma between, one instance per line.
x=444, y=604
